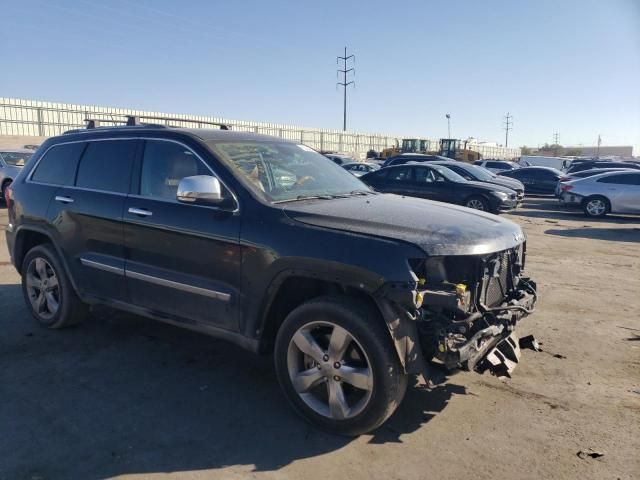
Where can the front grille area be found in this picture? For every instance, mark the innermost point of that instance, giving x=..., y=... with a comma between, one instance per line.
x=499, y=276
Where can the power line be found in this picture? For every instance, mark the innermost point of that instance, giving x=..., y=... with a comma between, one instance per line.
x=508, y=125
x=344, y=71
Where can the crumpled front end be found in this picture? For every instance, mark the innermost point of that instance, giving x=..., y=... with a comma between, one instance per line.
x=465, y=312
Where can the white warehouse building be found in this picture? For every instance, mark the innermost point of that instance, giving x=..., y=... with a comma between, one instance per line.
x=39, y=119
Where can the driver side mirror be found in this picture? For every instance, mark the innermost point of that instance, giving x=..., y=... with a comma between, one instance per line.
x=202, y=189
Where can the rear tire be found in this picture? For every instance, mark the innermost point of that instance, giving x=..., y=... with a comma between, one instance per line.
x=596, y=206
x=47, y=290
x=348, y=380
x=477, y=203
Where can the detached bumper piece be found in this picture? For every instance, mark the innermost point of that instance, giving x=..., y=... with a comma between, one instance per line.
x=503, y=359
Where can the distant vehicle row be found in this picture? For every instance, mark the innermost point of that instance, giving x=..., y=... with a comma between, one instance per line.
x=436, y=182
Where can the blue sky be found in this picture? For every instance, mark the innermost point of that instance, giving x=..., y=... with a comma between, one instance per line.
x=566, y=65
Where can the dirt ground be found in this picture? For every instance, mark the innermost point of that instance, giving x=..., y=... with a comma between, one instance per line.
x=126, y=397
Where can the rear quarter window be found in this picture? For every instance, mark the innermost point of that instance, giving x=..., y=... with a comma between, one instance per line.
x=58, y=165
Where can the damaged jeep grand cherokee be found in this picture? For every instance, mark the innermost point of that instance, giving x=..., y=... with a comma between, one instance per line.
x=268, y=244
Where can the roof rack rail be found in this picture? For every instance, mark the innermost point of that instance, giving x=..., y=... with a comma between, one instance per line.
x=135, y=120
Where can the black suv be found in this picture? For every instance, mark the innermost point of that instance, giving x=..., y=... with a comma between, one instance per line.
x=268, y=244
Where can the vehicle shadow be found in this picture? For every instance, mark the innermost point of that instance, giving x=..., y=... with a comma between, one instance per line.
x=549, y=208
x=613, y=234
x=122, y=394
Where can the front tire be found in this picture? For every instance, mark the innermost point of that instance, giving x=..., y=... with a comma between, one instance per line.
x=47, y=290
x=337, y=365
x=477, y=203
x=596, y=206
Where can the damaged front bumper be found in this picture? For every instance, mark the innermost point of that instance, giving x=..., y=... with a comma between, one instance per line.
x=496, y=347
x=484, y=340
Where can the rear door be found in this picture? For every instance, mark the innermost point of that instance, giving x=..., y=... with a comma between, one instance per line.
x=182, y=259
x=88, y=217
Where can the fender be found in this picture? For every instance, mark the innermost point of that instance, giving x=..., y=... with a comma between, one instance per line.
x=348, y=276
x=389, y=298
x=17, y=252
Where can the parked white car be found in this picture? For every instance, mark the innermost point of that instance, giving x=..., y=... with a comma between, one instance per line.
x=612, y=192
x=569, y=177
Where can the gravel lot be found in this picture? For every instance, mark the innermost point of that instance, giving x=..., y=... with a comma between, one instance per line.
x=126, y=397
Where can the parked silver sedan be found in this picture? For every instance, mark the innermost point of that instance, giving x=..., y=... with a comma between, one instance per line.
x=612, y=192
x=11, y=162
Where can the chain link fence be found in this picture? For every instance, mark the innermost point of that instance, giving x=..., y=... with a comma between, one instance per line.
x=21, y=117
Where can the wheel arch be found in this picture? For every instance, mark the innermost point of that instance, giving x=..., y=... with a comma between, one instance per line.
x=290, y=289
x=588, y=198
x=293, y=288
x=29, y=237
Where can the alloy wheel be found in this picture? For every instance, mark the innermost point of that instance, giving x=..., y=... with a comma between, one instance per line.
x=43, y=288
x=329, y=370
x=596, y=207
x=476, y=204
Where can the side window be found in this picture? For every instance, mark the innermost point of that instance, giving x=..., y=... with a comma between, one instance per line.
x=106, y=165
x=58, y=166
x=622, y=179
x=462, y=172
x=164, y=164
x=618, y=179
x=425, y=175
x=400, y=174
x=494, y=165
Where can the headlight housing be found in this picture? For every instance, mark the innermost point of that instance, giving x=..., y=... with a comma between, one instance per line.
x=501, y=195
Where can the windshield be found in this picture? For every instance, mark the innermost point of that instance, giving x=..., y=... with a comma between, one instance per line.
x=448, y=174
x=17, y=159
x=279, y=171
x=479, y=172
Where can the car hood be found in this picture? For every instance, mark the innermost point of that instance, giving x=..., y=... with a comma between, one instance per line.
x=490, y=186
x=511, y=183
x=437, y=228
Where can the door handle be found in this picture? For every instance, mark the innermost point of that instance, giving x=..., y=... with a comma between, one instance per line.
x=140, y=211
x=60, y=198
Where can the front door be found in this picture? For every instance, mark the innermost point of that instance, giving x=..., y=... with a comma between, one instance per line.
x=182, y=259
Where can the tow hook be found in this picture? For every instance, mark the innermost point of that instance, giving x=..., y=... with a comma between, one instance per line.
x=504, y=358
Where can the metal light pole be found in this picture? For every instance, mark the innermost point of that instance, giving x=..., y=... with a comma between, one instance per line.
x=448, y=125
x=344, y=84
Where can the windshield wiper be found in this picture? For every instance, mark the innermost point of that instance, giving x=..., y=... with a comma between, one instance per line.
x=305, y=197
x=360, y=192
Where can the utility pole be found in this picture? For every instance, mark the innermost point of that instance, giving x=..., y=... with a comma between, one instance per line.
x=448, y=125
x=508, y=125
x=556, y=139
x=599, y=143
x=344, y=84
